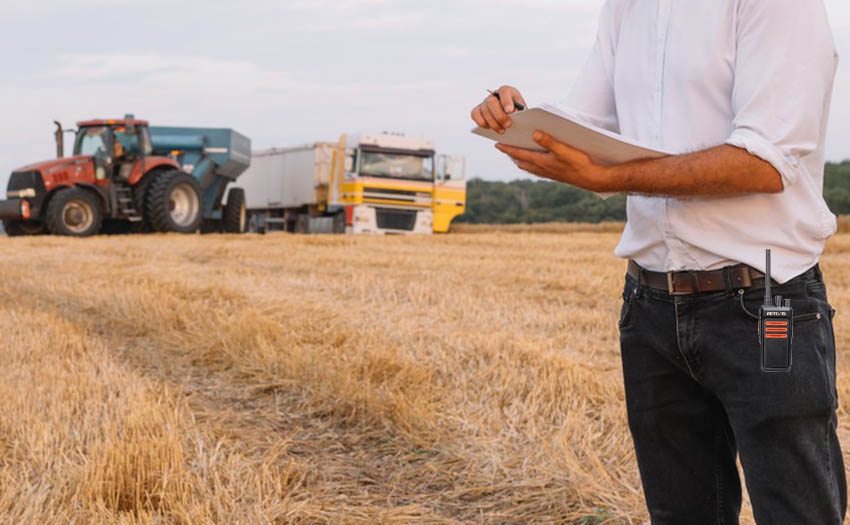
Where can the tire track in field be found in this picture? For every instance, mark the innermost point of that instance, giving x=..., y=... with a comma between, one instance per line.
x=226, y=402
x=374, y=448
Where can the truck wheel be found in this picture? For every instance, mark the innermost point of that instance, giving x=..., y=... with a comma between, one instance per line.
x=74, y=212
x=173, y=203
x=235, y=212
x=21, y=228
x=339, y=222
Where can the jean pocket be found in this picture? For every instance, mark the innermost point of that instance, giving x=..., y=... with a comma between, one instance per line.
x=813, y=332
x=806, y=317
x=629, y=291
x=625, y=310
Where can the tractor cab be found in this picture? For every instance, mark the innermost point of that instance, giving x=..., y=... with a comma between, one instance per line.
x=114, y=145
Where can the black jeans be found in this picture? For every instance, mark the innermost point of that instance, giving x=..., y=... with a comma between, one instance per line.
x=696, y=397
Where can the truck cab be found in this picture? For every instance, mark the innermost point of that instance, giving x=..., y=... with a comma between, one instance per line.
x=398, y=184
x=389, y=186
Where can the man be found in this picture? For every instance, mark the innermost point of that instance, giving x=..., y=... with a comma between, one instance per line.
x=741, y=89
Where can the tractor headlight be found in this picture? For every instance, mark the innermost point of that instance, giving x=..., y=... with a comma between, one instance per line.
x=21, y=194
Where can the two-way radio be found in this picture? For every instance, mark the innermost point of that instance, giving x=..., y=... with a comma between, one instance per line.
x=776, y=320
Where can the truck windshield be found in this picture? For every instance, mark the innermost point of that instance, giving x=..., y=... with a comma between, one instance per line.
x=396, y=166
x=90, y=141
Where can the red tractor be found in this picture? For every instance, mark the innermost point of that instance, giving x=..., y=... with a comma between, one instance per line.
x=121, y=180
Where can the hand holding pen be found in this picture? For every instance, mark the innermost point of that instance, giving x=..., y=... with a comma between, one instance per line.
x=493, y=112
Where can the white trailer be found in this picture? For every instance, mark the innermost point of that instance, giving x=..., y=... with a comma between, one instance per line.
x=287, y=189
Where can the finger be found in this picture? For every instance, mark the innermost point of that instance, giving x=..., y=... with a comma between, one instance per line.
x=492, y=123
x=537, y=157
x=532, y=168
x=507, y=97
x=498, y=111
x=478, y=117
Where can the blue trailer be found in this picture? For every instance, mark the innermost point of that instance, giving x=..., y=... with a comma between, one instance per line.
x=215, y=157
x=126, y=176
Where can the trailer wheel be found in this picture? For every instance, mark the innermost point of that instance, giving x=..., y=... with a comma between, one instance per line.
x=235, y=212
x=173, y=203
x=339, y=222
x=74, y=212
x=21, y=228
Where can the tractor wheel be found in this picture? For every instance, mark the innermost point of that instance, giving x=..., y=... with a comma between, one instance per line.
x=235, y=212
x=21, y=228
x=139, y=192
x=339, y=222
x=173, y=203
x=74, y=212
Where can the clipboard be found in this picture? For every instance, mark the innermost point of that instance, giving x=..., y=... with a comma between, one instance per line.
x=602, y=146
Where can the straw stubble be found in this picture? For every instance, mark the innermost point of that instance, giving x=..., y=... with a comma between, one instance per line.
x=468, y=378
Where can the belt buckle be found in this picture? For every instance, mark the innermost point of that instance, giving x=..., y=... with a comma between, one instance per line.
x=670, y=288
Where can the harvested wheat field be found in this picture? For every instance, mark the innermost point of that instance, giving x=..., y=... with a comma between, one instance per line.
x=465, y=378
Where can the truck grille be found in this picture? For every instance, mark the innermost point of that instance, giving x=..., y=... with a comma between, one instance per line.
x=371, y=194
x=389, y=219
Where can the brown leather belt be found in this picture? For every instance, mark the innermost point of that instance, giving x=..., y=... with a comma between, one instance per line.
x=691, y=282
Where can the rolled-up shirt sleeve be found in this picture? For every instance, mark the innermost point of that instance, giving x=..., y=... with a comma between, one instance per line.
x=592, y=96
x=784, y=69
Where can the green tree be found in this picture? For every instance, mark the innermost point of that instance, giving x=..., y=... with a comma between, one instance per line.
x=836, y=187
x=532, y=201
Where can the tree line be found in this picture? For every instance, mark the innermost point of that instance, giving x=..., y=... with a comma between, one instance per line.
x=532, y=201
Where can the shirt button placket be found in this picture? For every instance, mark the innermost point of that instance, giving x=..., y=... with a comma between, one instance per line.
x=663, y=26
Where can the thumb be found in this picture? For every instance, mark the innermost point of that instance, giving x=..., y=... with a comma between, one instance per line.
x=545, y=140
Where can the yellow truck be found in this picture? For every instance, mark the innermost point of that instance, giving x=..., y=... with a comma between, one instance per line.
x=380, y=184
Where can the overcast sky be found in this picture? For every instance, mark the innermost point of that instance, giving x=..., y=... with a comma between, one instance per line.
x=295, y=71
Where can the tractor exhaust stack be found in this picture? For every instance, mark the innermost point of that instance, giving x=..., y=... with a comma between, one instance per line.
x=60, y=140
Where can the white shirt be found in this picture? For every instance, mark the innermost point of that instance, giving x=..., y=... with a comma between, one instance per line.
x=686, y=75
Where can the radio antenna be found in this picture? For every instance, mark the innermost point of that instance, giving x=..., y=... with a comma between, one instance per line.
x=767, y=297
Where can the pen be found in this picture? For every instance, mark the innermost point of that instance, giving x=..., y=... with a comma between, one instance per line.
x=517, y=105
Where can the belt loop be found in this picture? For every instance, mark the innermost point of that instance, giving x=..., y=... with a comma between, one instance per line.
x=727, y=281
